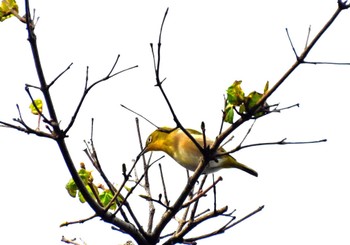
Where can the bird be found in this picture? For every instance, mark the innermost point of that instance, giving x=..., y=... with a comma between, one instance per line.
x=181, y=148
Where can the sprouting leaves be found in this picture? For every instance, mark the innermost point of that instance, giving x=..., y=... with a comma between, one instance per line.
x=235, y=94
x=237, y=101
x=87, y=179
x=37, y=107
x=8, y=8
x=104, y=196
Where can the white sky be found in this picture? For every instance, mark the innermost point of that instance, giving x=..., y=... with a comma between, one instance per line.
x=206, y=46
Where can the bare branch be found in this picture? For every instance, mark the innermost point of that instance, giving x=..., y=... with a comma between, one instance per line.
x=77, y=221
x=300, y=59
x=203, y=133
x=179, y=237
x=343, y=4
x=223, y=228
x=280, y=142
x=291, y=43
x=164, y=187
x=195, y=205
x=159, y=201
x=147, y=184
x=307, y=38
x=159, y=85
x=245, y=217
x=88, y=88
x=59, y=75
x=60, y=139
x=202, y=193
x=71, y=241
x=325, y=63
x=139, y=115
x=26, y=128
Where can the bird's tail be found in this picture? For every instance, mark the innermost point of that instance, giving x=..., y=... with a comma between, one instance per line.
x=244, y=168
x=248, y=170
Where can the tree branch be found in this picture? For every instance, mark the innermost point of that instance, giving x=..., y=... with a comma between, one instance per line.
x=223, y=228
x=300, y=59
x=88, y=88
x=60, y=140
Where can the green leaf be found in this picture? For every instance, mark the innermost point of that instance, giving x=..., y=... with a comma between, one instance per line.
x=7, y=9
x=81, y=198
x=229, y=113
x=127, y=188
x=85, y=176
x=87, y=179
x=252, y=99
x=266, y=88
x=72, y=188
x=242, y=109
x=146, y=197
x=39, y=104
x=106, y=196
x=235, y=94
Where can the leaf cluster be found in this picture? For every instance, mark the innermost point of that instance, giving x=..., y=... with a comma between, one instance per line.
x=36, y=107
x=237, y=102
x=8, y=8
x=98, y=192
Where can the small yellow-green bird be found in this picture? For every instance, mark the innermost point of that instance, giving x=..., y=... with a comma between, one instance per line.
x=176, y=144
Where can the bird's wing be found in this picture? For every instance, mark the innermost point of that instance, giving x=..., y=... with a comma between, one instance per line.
x=192, y=131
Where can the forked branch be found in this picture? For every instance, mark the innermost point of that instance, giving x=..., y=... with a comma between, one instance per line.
x=342, y=5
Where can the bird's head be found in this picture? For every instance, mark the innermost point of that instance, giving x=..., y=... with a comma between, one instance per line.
x=157, y=140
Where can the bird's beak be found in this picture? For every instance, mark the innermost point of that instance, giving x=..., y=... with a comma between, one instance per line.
x=142, y=152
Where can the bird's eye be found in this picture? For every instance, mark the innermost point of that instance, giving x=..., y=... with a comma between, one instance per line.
x=149, y=140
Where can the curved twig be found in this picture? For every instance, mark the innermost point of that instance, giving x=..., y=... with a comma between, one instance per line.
x=88, y=88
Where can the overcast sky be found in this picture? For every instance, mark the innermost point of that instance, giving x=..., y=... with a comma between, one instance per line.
x=206, y=46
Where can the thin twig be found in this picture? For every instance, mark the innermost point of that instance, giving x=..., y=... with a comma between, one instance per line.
x=59, y=75
x=170, y=213
x=71, y=241
x=131, y=189
x=204, y=137
x=92, y=154
x=164, y=186
x=139, y=115
x=224, y=228
x=245, y=217
x=248, y=132
x=147, y=183
x=214, y=190
x=307, y=38
x=280, y=142
x=26, y=128
x=88, y=88
x=156, y=63
x=182, y=222
x=192, y=224
x=291, y=44
x=202, y=193
x=77, y=221
x=159, y=201
x=325, y=63
x=195, y=205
